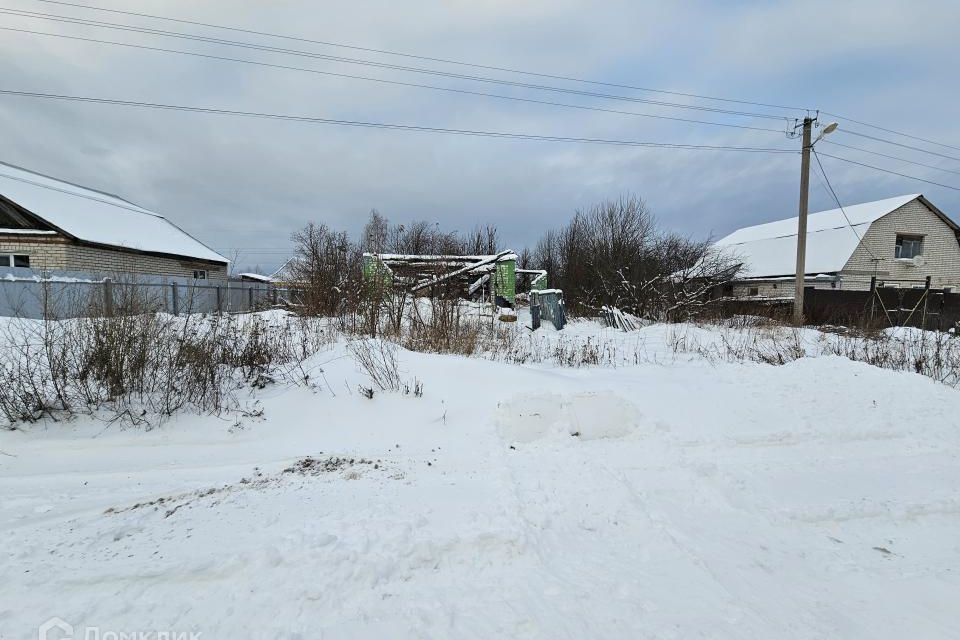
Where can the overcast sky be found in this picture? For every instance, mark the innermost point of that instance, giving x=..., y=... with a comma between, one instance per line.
x=248, y=183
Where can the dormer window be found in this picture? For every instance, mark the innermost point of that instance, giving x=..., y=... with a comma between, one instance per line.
x=908, y=247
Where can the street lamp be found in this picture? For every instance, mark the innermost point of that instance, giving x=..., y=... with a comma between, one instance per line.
x=827, y=130
x=802, y=219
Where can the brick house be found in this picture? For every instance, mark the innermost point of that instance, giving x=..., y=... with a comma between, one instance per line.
x=900, y=241
x=48, y=226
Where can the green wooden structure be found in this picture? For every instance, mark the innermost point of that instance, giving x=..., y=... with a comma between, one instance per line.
x=505, y=280
x=472, y=275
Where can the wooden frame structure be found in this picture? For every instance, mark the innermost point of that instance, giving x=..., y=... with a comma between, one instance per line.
x=488, y=277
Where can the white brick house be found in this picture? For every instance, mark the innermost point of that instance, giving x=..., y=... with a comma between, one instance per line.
x=48, y=226
x=901, y=241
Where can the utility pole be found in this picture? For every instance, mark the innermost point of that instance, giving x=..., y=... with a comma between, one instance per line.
x=802, y=222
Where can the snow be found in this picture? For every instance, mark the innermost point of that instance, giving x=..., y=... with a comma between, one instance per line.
x=453, y=259
x=37, y=278
x=255, y=276
x=27, y=232
x=770, y=249
x=674, y=498
x=97, y=217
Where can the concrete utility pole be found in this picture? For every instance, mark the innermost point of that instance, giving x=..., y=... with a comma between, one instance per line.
x=802, y=222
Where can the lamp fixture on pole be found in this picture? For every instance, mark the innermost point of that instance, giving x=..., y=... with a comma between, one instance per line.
x=802, y=219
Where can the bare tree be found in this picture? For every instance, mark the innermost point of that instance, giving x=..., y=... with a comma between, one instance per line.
x=375, y=233
x=613, y=255
x=326, y=266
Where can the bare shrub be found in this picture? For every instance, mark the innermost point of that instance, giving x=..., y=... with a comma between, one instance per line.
x=440, y=325
x=378, y=358
x=934, y=354
x=750, y=342
x=326, y=267
x=147, y=366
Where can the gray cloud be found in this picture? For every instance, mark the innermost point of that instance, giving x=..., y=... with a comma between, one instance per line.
x=238, y=182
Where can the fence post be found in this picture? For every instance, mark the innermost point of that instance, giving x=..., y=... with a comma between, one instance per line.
x=108, y=296
x=273, y=293
x=219, y=299
x=46, y=300
x=873, y=297
x=250, y=299
x=174, y=291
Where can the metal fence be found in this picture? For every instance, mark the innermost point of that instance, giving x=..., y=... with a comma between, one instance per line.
x=64, y=298
x=912, y=303
x=547, y=304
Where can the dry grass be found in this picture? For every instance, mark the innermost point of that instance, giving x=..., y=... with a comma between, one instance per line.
x=142, y=368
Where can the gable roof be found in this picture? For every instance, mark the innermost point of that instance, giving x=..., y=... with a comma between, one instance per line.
x=98, y=218
x=770, y=249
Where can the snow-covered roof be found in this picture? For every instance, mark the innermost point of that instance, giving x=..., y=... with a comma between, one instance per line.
x=770, y=249
x=259, y=277
x=286, y=270
x=97, y=217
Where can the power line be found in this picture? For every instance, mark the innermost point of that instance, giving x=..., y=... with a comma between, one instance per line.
x=425, y=58
x=896, y=173
x=370, y=63
x=839, y=204
x=387, y=125
x=400, y=83
x=122, y=205
x=896, y=144
x=884, y=155
x=102, y=24
x=874, y=126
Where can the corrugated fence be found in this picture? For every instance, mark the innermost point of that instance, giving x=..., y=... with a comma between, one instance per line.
x=29, y=298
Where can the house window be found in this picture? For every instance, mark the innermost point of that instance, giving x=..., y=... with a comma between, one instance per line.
x=14, y=260
x=200, y=274
x=909, y=247
x=754, y=291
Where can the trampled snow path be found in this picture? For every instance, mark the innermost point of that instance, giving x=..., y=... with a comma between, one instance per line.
x=820, y=499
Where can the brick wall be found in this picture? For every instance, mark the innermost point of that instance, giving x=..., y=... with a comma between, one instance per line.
x=46, y=252
x=775, y=289
x=60, y=254
x=109, y=262
x=941, y=251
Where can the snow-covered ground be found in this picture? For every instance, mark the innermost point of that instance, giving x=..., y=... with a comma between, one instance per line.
x=680, y=497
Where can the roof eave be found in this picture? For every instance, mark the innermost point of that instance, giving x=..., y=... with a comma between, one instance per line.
x=156, y=254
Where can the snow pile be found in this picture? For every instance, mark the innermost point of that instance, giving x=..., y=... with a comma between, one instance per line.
x=674, y=498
